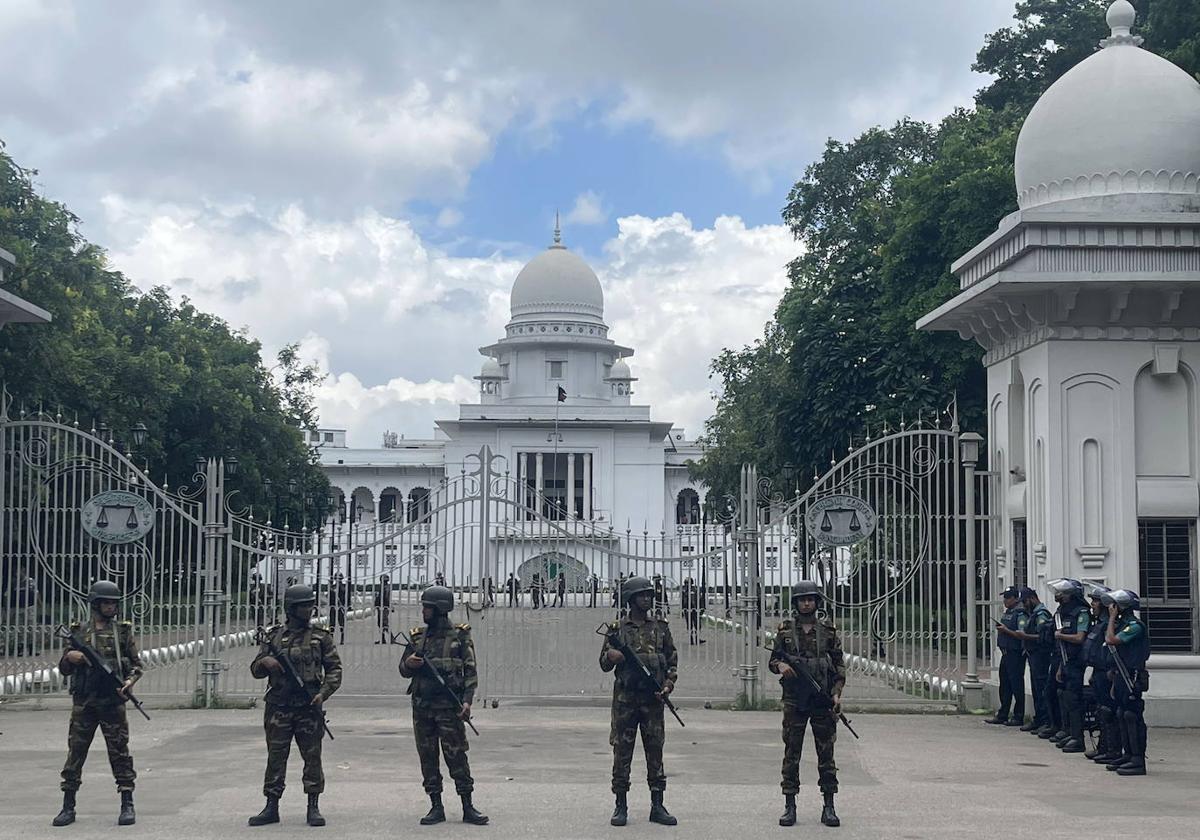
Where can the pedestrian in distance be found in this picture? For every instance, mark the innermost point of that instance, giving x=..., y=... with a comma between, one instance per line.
x=594, y=587
x=383, y=610
x=513, y=585
x=560, y=590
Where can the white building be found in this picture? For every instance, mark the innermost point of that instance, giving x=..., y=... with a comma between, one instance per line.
x=13, y=309
x=1086, y=301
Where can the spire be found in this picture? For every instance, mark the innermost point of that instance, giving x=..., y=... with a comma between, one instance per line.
x=1120, y=18
x=557, y=233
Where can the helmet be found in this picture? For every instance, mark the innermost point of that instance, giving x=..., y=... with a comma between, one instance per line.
x=1096, y=591
x=438, y=597
x=807, y=588
x=634, y=586
x=1067, y=586
x=103, y=590
x=1026, y=593
x=1125, y=599
x=297, y=594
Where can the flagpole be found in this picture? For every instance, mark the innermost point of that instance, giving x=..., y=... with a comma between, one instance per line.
x=557, y=403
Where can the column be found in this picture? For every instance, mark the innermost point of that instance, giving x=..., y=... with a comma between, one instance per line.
x=569, y=501
x=541, y=486
x=522, y=492
x=587, y=485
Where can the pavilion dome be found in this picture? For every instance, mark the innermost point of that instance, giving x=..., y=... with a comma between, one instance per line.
x=1122, y=121
x=491, y=369
x=620, y=370
x=557, y=284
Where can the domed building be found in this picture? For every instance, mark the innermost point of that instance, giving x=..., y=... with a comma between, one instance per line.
x=1086, y=302
x=556, y=406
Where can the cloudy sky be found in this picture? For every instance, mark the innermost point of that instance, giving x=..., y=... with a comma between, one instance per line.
x=367, y=178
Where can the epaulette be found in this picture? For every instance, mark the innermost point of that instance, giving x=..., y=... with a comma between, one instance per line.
x=76, y=625
x=413, y=632
x=464, y=627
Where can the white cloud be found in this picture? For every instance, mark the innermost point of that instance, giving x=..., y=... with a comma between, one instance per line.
x=449, y=217
x=588, y=210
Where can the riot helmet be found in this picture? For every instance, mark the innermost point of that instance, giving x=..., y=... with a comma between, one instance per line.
x=103, y=590
x=438, y=597
x=1125, y=599
x=634, y=586
x=1066, y=588
x=1096, y=591
x=807, y=589
x=297, y=595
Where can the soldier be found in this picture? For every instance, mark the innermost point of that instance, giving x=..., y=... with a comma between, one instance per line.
x=514, y=590
x=437, y=719
x=287, y=712
x=383, y=610
x=1012, y=660
x=1073, y=620
x=1096, y=656
x=95, y=703
x=1038, y=640
x=338, y=602
x=634, y=703
x=812, y=638
x=1130, y=640
x=560, y=590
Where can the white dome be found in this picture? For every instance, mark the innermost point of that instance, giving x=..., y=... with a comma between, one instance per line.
x=1123, y=120
x=620, y=370
x=491, y=370
x=558, y=284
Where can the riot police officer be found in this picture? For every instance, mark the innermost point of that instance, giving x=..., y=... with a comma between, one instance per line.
x=96, y=703
x=289, y=713
x=1072, y=621
x=634, y=704
x=1038, y=641
x=1130, y=645
x=437, y=718
x=811, y=639
x=1096, y=657
x=1012, y=660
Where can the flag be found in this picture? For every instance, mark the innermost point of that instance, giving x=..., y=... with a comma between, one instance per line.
x=562, y=394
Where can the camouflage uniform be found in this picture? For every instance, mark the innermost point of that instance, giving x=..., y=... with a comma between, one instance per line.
x=449, y=649
x=816, y=643
x=288, y=714
x=97, y=704
x=634, y=704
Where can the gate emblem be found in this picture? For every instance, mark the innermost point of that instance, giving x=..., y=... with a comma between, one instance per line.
x=840, y=520
x=116, y=517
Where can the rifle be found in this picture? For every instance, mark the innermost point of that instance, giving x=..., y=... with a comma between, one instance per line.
x=609, y=631
x=1122, y=668
x=98, y=662
x=428, y=668
x=1062, y=648
x=291, y=674
x=801, y=669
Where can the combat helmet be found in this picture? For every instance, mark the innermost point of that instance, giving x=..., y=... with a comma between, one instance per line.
x=634, y=586
x=806, y=589
x=296, y=595
x=103, y=590
x=438, y=597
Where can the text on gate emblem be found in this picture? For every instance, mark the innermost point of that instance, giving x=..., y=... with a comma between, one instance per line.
x=839, y=520
x=117, y=516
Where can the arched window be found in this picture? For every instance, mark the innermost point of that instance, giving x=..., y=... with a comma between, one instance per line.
x=389, y=500
x=418, y=504
x=687, y=507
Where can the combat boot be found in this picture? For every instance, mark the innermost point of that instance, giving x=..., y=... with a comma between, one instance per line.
x=1046, y=732
x=621, y=812
x=470, y=814
x=789, y=810
x=1136, y=765
x=829, y=816
x=1032, y=726
x=127, y=816
x=67, y=815
x=658, y=812
x=269, y=814
x=436, y=813
x=314, y=811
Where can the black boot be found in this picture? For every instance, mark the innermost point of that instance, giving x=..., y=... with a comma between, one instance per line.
x=436, y=813
x=621, y=811
x=658, y=812
x=470, y=815
x=789, y=810
x=314, y=811
x=829, y=816
x=67, y=815
x=269, y=814
x=127, y=816
x=1136, y=766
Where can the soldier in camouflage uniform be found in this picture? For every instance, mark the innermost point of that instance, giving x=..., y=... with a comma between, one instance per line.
x=634, y=704
x=437, y=719
x=289, y=714
x=812, y=638
x=95, y=702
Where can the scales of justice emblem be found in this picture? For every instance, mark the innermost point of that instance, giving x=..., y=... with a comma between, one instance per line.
x=840, y=520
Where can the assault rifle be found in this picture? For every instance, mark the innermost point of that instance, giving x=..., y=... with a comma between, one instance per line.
x=295, y=681
x=1122, y=668
x=609, y=631
x=803, y=672
x=429, y=669
x=98, y=662
x=1062, y=648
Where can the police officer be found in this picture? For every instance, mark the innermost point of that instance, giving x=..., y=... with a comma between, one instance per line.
x=1130, y=641
x=1012, y=659
x=1072, y=620
x=437, y=719
x=288, y=713
x=1096, y=657
x=1038, y=641
x=96, y=704
x=634, y=703
x=812, y=638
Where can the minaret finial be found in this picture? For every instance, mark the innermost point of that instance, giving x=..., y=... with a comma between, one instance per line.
x=557, y=230
x=1120, y=18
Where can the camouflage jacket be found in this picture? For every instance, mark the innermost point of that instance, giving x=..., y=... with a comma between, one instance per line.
x=314, y=655
x=449, y=649
x=651, y=641
x=817, y=644
x=87, y=685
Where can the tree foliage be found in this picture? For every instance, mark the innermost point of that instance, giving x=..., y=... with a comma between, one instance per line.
x=116, y=356
x=880, y=220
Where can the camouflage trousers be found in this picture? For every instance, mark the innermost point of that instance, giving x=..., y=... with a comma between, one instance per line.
x=434, y=728
x=115, y=726
x=282, y=724
x=824, y=729
x=627, y=718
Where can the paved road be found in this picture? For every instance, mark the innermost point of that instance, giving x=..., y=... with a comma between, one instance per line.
x=543, y=773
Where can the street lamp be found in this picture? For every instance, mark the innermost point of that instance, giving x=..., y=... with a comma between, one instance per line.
x=138, y=432
x=231, y=465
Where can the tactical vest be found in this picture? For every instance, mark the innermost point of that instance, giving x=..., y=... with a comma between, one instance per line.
x=1135, y=654
x=88, y=684
x=1069, y=613
x=444, y=647
x=1012, y=620
x=303, y=649
x=647, y=643
x=1041, y=624
x=1094, y=651
x=812, y=651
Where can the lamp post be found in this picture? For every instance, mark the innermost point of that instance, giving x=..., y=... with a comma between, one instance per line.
x=969, y=444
